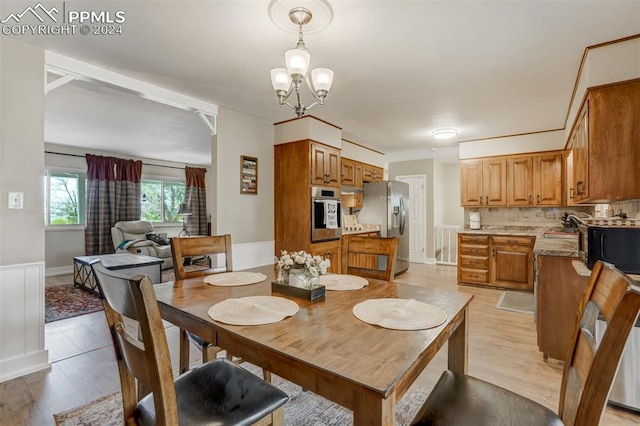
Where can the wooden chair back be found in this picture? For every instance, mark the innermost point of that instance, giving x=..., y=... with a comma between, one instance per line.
x=149, y=363
x=362, y=255
x=614, y=298
x=200, y=246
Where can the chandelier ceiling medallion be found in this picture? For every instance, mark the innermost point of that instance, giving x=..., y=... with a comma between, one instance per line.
x=288, y=81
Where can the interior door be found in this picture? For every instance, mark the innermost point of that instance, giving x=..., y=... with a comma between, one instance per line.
x=417, y=224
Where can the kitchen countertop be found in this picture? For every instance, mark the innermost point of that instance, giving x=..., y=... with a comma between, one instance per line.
x=543, y=246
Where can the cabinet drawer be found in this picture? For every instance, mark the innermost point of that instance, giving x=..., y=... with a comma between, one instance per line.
x=474, y=250
x=512, y=239
x=474, y=239
x=473, y=262
x=473, y=276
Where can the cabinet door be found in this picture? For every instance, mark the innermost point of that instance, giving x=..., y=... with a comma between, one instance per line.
x=520, y=191
x=329, y=250
x=581, y=155
x=318, y=162
x=348, y=172
x=511, y=263
x=471, y=183
x=494, y=178
x=547, y=173
x=377, y=174
x=359, y=173
x=332, y=166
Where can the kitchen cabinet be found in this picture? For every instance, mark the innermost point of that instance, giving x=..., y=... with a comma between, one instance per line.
x=605, y=143
x=547, y=179
x=352, y=173
x=559, y=292
x=520, y=181
x=325, y=165
x=372, y=173
x=484, y=182
x=473, y=258
x=293, y=166
x=328, y=250
x=496, y=260
x=512, y=262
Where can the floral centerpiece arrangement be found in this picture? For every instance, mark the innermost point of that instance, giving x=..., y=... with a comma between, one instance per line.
x=300, y=268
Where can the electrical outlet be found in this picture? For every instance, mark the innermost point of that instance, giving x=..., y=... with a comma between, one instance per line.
x=16, y=200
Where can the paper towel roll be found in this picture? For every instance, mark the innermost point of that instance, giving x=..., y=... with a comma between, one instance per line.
x=474, y=220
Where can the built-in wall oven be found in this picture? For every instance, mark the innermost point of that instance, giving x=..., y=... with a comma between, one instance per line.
x=326, y=214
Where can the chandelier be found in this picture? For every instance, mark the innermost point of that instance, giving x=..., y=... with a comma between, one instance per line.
x=287, y=81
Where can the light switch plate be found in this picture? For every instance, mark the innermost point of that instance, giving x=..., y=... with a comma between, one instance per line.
x=16, y=200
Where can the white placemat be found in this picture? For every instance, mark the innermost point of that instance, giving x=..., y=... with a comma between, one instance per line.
x=235, y=278
x=399, y=314
x=253, y=310
x=342, y=282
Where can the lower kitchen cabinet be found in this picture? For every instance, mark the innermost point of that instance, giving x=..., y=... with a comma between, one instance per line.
x=496, y=260
x=558, y=294
x=512, y=262
x=329, y=250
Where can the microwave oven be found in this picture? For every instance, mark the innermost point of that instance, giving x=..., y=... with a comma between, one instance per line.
x=618, y=245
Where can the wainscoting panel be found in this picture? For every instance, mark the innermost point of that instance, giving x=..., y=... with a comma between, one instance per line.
x=22, y=348
x=250, y=255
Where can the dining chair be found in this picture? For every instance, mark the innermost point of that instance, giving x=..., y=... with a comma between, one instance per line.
x=218, y=392
x=612, y=297
x=189, y=247
x=370, y=257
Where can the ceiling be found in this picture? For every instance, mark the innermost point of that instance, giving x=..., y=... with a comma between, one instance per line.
x=402, y=69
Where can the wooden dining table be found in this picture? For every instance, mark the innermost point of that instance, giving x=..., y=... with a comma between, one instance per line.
x=324, y=348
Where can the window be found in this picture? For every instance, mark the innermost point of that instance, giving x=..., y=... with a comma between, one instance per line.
x=161, y=200
x=64, y=198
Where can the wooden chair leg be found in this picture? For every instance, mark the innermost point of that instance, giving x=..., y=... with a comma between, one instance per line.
x=277, y=417
x=184, y=352
x=266, y=375
x=209, y=353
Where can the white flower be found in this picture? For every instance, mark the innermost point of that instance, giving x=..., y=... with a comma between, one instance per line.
x=316, y=265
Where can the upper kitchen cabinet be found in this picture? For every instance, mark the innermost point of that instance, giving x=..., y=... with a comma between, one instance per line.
x=535, y=180
x=372, y=173
x=605, y=144
x=484, y=182
x=325, y=165
x=352, y=172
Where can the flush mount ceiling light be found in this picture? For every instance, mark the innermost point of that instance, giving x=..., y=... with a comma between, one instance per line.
x=288, y=80
x=445, y=133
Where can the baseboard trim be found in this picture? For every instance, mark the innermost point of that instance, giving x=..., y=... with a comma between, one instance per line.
x=17, y=367
x=59, y=270
x=430, y=261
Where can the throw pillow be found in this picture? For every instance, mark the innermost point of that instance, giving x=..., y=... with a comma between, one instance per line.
x=160, y=239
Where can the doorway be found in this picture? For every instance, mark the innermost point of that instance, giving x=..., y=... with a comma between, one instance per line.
x=417, y=217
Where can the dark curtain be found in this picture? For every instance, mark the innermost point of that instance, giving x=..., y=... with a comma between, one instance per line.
x=196, y=198
x=128, y=190
x=101, y=204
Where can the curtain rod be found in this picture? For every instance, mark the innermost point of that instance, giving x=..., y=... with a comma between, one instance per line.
x=82, y=156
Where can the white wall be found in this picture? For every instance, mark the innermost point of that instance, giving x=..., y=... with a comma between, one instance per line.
x=453, y=213
x=248, y=218
x=356, y=152
x=544, y=141
x=439, y=188
x=21, y=231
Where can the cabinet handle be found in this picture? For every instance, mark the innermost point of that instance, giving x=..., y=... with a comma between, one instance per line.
x=486, y=200
x=530, y=199
x=494, y=252
x=570, y=192
x=538, y=198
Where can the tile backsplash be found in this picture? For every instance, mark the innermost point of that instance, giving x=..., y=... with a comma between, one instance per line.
x=524, y=216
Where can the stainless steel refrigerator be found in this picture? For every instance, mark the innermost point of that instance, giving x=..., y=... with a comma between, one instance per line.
x=387, y=204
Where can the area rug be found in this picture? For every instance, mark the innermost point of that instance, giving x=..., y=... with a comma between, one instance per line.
x=304, y=408
x=516, y=301
x=66, y=301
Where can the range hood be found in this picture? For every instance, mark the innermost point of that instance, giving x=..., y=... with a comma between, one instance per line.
x=351, y=189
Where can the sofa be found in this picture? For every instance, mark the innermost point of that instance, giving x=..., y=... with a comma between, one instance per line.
x=138, y=236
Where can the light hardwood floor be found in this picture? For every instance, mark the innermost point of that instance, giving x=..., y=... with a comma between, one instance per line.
x=502, y=350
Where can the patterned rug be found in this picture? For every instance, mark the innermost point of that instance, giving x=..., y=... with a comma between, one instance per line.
x=66, y=301
x=303, y=408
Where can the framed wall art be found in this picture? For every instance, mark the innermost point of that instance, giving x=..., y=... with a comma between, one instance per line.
x=248, y=175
